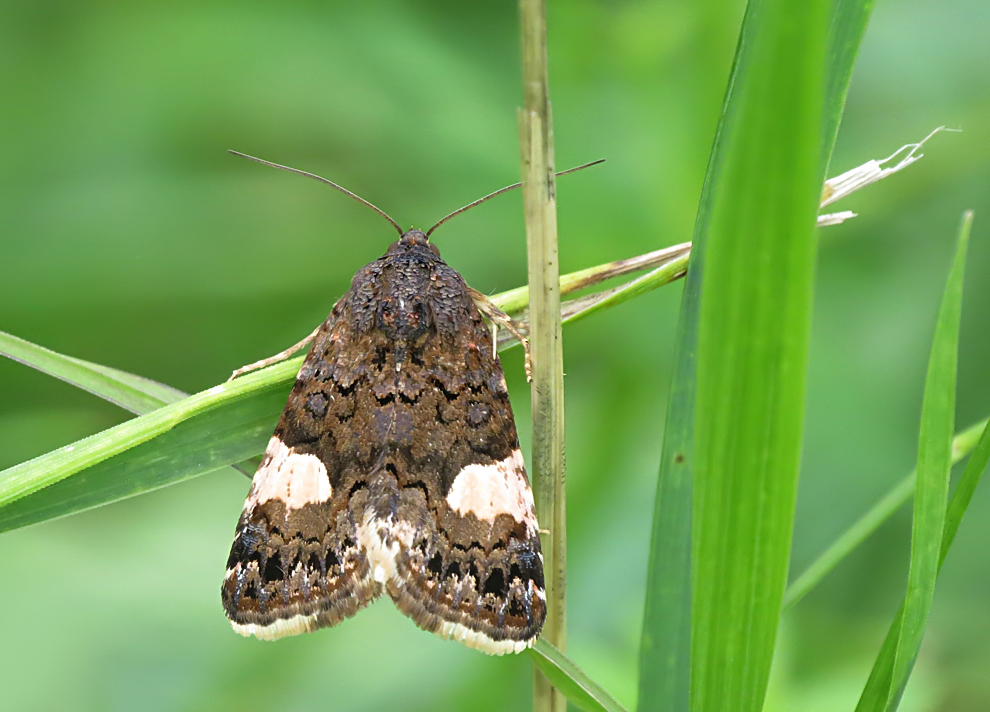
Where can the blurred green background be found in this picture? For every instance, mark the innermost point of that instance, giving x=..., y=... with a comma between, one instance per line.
x=128, y=236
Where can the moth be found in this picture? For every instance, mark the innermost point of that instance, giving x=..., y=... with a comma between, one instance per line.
x=394, y=469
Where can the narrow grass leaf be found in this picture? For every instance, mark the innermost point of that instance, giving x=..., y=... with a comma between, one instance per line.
x=847, y=25
x=204, y=443
x=571, y=680
x=962, y=445
x=753, y=338
x=28, y=477
x=934, y=463
x=874, y=697
x=929, y=527
x=134, y=393
x=516, y=300
x=575, y=309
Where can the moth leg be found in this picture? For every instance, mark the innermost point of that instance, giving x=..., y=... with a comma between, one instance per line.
x=281, y=356
x=499, y=318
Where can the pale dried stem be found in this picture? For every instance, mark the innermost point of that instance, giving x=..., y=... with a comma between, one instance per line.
x=539, y=200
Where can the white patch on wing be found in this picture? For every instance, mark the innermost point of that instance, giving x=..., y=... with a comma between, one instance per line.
x=278, y=629
x=480, y=641
x=381, y=556
x=296, y=479
x=490, y=490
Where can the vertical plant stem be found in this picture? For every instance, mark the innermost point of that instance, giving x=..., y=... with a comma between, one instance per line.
x=539, y=199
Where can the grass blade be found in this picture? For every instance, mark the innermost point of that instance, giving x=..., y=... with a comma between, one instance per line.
x=28, y=477
x=847, y=25
x=571, y=680
x=575, y=309
x=196, y=446
x=137, y=394
x=934, y=462
x=874, y=697
x=664, y=666
x=753, y=337
x=962, y=445
x=875, y=693
x=516, y=300
x=134, y=393
x=930, y=534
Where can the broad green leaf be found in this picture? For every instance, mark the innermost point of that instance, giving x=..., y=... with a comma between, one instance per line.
x=962, y=445
x=134, y=393
x=930, y=532
x=753, y=339
x=664, y=667
x=571, y=680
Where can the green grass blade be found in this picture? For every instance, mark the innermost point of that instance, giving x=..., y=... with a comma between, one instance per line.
x=874, y=695
x=576, y=309
x=134, y=393
x=28, y=477
x=934, y=461
x=201, y=444
x=571, y=680
x=516, y=300
x=962, y=445
x=931, y=533
x=664, y=665
x=753, y=339
x=847, y=25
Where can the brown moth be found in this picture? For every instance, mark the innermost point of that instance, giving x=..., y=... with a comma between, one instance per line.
x=395, y=468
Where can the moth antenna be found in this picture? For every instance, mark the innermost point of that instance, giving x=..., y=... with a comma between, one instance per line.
x=506, y=189
x=328, y=182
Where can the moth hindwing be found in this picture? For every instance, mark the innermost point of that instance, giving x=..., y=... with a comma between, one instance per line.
x=395, y=468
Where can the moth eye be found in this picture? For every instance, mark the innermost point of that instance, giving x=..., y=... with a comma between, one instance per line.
x=434, y=249
x=393, y=246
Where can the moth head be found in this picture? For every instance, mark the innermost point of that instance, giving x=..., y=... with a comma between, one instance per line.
x=413, y=238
